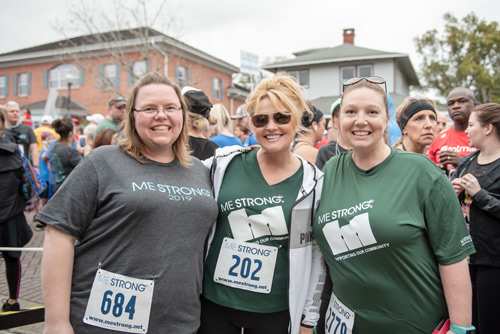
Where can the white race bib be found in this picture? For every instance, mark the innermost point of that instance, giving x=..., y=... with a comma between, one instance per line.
x=339, y=319
x=246, y=266
x=119, y=303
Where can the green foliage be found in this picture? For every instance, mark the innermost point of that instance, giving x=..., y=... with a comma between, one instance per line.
x=467, y=55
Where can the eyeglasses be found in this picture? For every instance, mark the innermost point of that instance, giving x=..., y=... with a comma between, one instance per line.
x=279, y=118
x=154, y=111
x=123, y=106
x=373, y=80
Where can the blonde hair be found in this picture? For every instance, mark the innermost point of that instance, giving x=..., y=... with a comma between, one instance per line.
x=284, y=92
x=221, y=116
x=133, y=144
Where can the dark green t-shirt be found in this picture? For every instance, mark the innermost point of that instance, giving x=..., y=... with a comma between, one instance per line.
x=383, y=232
x=255, y=212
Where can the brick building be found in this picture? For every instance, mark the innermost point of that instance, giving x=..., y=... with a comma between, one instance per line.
x=104, y=65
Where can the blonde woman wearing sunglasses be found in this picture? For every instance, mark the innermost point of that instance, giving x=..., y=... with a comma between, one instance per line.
x=391, y=230
x=263, y=269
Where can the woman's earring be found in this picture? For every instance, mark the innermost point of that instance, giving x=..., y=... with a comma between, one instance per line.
x=315, y=128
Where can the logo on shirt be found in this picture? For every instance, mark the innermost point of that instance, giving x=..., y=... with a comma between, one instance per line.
x=270, y=222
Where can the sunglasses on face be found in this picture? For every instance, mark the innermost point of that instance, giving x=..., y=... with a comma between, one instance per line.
x=279, y=118
x=373, y=80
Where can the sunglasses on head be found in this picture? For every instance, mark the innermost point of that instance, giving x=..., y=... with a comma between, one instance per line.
x=279, y=118
x=373, y=80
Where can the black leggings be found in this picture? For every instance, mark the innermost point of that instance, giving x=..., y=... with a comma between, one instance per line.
x=217, y=319
x=485, y=298
x=13, y=273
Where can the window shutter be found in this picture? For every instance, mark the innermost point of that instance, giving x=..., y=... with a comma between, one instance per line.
x=129, y=73
x=45, y=79
x=6, y=85
x=189, y=76
x=15, y=83
x=177, y=73
x=148, y=65
x=101, y=75
x=29, y=83
x=82, y=76
x=222, y=90
x=117, y=78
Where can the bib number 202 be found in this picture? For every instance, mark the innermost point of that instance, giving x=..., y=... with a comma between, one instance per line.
x=116, y=308
x=246, y=267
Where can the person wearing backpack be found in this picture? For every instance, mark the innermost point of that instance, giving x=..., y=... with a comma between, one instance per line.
x=14, y=229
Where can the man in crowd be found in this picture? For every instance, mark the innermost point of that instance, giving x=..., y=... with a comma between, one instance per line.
x=46, y=126
x=115, y=116
x=453, y=143
x=21, y=134
x=243, y=122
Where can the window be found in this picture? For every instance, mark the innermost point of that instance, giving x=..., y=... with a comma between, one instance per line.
x=139, y=68
x=365, y=71
x=347, y=73
x=58, y=76
x=111, y=76
x=217, y=89
x=22, y=84
x=181, y=75
x=4, y=83
x=302, y=77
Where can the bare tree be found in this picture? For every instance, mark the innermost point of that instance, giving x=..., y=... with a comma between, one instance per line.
x=123, y=32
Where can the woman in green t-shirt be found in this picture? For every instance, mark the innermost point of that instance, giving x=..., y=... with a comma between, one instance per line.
x=263, y=270
x=390, y=229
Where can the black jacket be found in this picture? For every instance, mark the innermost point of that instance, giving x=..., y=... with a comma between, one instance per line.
x=11, y=171
x=484, y=215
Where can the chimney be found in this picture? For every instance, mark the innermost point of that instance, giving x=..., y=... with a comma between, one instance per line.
x=349, y=36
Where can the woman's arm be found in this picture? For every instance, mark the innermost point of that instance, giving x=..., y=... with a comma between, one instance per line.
x=57, y=270
x=458, y=292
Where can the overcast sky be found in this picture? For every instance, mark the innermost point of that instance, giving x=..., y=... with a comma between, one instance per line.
x=269, y=28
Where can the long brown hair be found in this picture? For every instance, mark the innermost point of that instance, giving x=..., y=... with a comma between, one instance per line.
x=133, y=144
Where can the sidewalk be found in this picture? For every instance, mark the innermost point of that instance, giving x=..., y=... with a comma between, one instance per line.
x=31, y=288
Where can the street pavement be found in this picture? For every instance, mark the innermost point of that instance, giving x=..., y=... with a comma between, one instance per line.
x=31, y=288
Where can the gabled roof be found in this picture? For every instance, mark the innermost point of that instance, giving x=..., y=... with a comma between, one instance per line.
x=343, y=53
x=123, y=38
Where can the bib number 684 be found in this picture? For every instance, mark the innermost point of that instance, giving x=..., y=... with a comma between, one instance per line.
x=116, y=306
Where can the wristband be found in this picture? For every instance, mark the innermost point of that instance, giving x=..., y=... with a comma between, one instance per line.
x=462, y=330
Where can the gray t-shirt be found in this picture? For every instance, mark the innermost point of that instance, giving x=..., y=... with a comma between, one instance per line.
x=137, y=220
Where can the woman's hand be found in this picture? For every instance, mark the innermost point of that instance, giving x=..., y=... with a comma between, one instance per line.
x=305, y=330
x=471, y=184
x=458, y=185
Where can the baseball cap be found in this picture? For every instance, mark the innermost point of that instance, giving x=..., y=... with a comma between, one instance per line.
x=75, y=120
x=240, y=112
x=95, y=118
x=119, y=101
x=197, y=101
x=47, y=119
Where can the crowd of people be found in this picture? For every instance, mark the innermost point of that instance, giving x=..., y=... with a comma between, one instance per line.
x=280, y=218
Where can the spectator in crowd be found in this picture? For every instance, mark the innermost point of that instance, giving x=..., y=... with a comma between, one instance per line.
x=442, y=122
x=14, y=230
x=245, y=180
x=336, y=146
x=223, y=136
x=243, y=122
x=477, y=185
x=88, y=137
x=417, y=119
x=199, y=122
x=63, y=157
x=95, y=119
x=391, y=230
x=47, y=138
x=105, y=137
x=453, y=143
x=46, y=126
x=21, y=134
x=238, y=132
x=115, y=116
x=314, y=128
x=27, y=117
x=142, y=221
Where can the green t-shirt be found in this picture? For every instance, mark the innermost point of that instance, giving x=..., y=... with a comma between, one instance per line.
x=253, y=211
x=106, y=124
x=383, y=232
